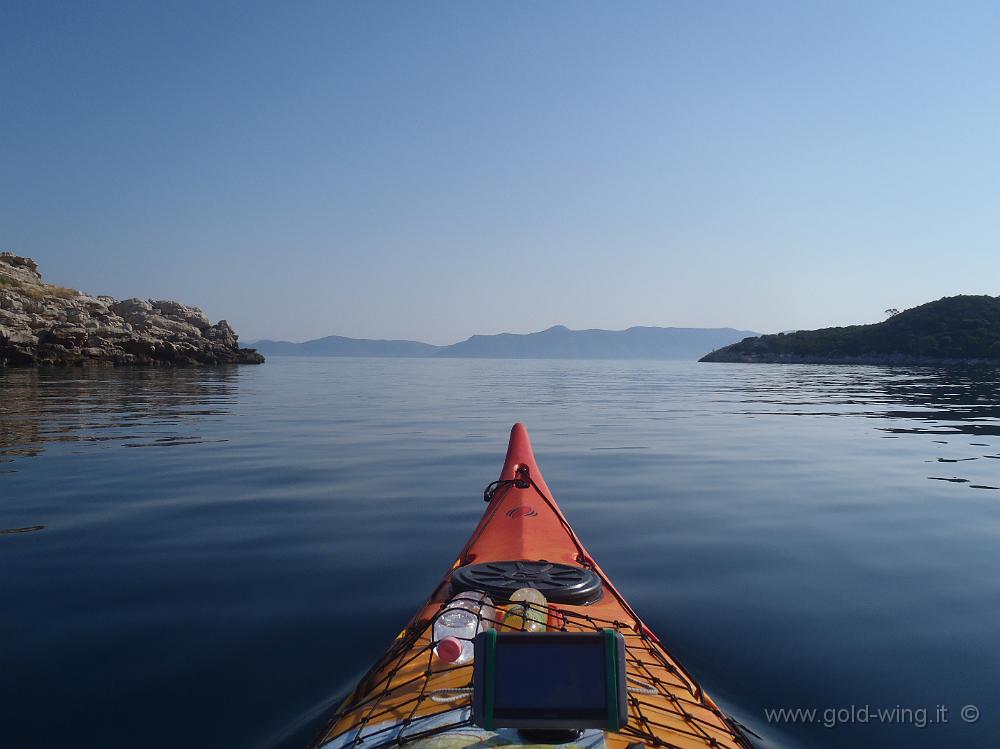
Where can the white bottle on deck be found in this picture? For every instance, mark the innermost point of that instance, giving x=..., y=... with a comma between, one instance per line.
x=463, y=617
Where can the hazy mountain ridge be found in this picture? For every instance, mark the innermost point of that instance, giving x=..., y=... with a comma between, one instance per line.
x=335, y=345
x=557, y=342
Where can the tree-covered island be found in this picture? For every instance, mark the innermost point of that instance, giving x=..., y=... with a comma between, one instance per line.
x=953, y=330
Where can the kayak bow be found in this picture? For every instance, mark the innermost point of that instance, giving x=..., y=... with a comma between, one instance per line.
x=410, y=696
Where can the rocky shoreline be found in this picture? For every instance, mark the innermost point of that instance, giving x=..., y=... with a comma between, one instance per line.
x=894, y=360
x=46, y=325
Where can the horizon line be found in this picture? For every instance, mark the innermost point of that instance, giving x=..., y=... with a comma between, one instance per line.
x=489, y=335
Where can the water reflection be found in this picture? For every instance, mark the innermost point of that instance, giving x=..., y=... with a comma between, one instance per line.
x=947, y=401
x=133, y=407
x=816, y=502
x=955, y=402
x=29, y=529
x=143, y=408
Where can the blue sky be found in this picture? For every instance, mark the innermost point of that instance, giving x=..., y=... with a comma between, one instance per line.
x=433, y=170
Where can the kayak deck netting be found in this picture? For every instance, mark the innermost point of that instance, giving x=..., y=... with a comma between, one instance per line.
x=409, y=686
x=410, y=697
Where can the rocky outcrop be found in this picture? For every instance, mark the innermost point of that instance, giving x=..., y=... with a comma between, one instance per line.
x=46, y=325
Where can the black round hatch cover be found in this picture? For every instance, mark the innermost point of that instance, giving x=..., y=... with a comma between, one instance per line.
x=559, y=583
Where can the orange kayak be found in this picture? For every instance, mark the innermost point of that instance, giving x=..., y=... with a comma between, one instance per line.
x=412, y=697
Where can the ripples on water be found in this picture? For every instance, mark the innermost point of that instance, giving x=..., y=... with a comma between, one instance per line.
x=800, y=536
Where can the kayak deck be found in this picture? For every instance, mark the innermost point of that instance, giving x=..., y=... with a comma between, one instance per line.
x=411, y=697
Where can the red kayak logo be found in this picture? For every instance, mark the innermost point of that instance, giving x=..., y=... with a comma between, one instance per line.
x=522, y=511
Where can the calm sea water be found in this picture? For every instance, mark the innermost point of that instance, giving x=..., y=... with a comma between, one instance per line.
x=209, y=558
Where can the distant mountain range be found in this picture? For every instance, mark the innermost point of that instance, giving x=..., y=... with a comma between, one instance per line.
x=336, y=345
x=558, y=342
